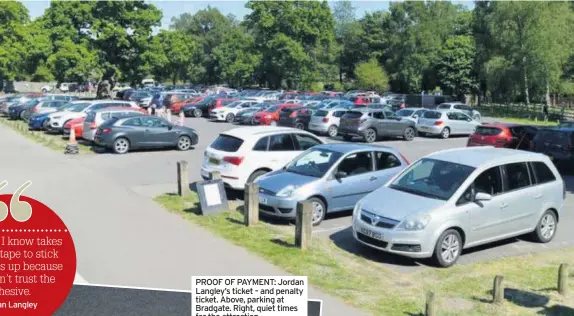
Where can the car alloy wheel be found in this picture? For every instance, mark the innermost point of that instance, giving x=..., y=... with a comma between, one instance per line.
x=409, y=133
x=230, y=118
x=370, y=135
x=448, y=248
x=121, y=146
x=183, y=143
x=445, y=133
x=197, y=113
x=319, y=211
x=546, y=228
x=332, y=131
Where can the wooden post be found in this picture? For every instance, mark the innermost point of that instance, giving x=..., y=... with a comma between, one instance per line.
x=563, y=279
x=430, y=309
x=215, y=175
x=498, y=290
x=251, y=204
x=303, y=224
x=182, y=179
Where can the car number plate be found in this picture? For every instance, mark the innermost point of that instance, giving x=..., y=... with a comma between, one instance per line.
x=262, y=200
x=213, y=161
x=371, y=234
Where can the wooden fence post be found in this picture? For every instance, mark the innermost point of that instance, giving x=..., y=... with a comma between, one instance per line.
x=182, y=179
x=498, y=290
x=251, y=204
x=303, y=224
x=563, y=279
x=430, y=309
x=215, y=175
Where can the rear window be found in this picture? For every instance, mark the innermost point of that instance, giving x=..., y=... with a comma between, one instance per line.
x=432, y=115
x=339, y=113
x=405, y=113
x=353, y=114
x=227, y=143
x=554, y=136
x=91, y=117
x=321, y=113
x=487, y=131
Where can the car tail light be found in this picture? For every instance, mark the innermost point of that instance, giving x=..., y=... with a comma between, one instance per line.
x=233, y=160
x=107, y=130
x=325, y=120
x=405, y=159
x=93, y=125
x=438, y=123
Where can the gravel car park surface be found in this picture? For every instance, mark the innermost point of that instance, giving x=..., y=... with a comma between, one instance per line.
x=151, y=173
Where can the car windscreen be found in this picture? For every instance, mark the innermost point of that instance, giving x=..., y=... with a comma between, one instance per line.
x=405, y=113
x=432, y=178
x=487, y=131
x=233, y=104
x=432, y=115
x=79, y=107
x=273, y=108
x=314, y=162
x=227, y=143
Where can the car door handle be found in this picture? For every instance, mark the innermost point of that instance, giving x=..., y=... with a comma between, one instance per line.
x=538, y=196
x=503, y=205
x=372, y=178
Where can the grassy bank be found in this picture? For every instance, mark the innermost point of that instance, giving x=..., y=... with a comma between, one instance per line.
x=524, y=121
x=365, y=284
x=55, y=142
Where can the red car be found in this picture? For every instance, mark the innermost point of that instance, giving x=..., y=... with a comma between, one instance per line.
x=271, y=115
x=503, y=135
x=78, y=125
x=175, y=108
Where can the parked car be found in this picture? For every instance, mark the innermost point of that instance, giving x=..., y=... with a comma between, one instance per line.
x=205, y=106
x=327, y=121
x=461, y=198
x=295, y=116
x=445, y=123
x=59, y=97
x=177, y=107
x=42, y=107
x=364, y=100
x=244, y=154
x=95, y=118
x=503, y=135
x=143, y=131
x=371, y=124
x=270, y=116
x=15, y=112
x=38, y=122
x=333, y=177
x=142, y=98
x=557, y=144
x=78, y=126
x=466, y=109
x=174, y=97
x=228, y=112
x=57, y=120
x=17, y=100
x=411, y=114
x=246, y=117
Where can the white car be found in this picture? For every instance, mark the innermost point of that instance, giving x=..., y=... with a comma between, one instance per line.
x=227, y=113
x=96, y=118
x=78, y=109
x=243, y=154
x=411, y=114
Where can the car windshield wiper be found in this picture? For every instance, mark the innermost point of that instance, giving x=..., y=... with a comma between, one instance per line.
x=417, y=192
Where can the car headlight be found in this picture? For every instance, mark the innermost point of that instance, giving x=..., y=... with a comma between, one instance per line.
x=286, y=191
x=416, y=222
x=357, y=208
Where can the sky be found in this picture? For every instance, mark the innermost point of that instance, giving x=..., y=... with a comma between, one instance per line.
x=237, y=8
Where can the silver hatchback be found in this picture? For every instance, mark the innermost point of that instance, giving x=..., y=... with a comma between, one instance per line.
x=326, y=121
x=445, y=123
x=461, y=198
x=332, y=176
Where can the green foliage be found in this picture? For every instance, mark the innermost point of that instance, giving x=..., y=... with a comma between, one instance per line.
x=72, y=62
x=455, y=68
x=370, y=75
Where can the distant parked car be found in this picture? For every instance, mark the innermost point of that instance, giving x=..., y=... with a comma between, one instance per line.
x=460, y=198
x=558, y=144
x=205, y=106
x=327, y=121
x=42, y=107
x=59, y=97
x=143, y=131
x=295, y=116
x=244, y=154
x=333, y=177
x=246, y=117
x=503, y=135
x=466, y=109
x=228, y=112
x=57, y=120
x=371, y=124
x=270, y=116
x=15, y=112
x=177, y=107
x=98, y=117
x=445, y=123
x=174, y=97
x=142, y=98
x=411, y=114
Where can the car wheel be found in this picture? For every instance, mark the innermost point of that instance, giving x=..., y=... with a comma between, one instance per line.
x=332, y=131
x=347, y=138
x=66, y=122
x=445, y=133
x=121, y=146
x=256, y=175
x=546, y=228
x=45, y=125
x=409, y=134
x=273, y=123
x=319, y=211
x=370, y=135
x=299, y=126
x=184, y=143
x=447, y=249
x=229, y=118
x=197, y=113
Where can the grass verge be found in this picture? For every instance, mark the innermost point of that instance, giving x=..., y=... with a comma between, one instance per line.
x=525, y=121
x=462, y=290
x=55, y=142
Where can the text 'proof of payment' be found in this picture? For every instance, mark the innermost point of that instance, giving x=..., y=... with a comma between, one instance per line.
x=249, y=296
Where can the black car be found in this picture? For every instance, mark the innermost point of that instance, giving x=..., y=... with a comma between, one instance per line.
x=556, y=143
x=134, y=132
x=297, y=117
x=200, y=108
x=15, y=111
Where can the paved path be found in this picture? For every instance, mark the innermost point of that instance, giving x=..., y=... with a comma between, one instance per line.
x=122, y=238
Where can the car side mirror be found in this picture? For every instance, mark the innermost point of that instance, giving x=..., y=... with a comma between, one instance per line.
x=481, y=196
x=340, y=174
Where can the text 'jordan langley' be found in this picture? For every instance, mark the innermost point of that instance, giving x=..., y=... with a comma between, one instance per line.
x=19, y=305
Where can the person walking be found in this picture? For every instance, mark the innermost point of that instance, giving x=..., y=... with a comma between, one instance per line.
x=545, y=110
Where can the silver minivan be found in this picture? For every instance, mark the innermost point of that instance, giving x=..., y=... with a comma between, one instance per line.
x=326, y=121
x=461, y=198
x=95, y=118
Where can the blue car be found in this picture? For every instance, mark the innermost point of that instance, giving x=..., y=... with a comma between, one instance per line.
x=38, y=121
x=15, y=111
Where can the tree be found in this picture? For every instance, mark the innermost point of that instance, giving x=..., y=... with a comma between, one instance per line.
x=178, y=49
x=236, y=58
x=13, y=37
x=456, y=66
x=371, y=76
x=72, y=62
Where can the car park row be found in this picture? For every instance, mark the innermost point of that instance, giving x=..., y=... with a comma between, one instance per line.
x=433, y=208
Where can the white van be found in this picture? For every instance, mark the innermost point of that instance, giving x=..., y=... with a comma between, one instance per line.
x=148, y=82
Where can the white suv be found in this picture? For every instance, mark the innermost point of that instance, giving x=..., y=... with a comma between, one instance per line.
x=244, y=154
x=227, y=113
x=57, y=120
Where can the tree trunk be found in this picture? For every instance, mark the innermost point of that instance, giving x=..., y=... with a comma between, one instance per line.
x=526, y=92
x=548, y=99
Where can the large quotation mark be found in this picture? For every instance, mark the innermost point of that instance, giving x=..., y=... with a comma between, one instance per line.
x=21, y=211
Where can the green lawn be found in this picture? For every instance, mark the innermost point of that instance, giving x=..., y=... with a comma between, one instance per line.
x=461, y=290
x=525, y=121
x=55, y=142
